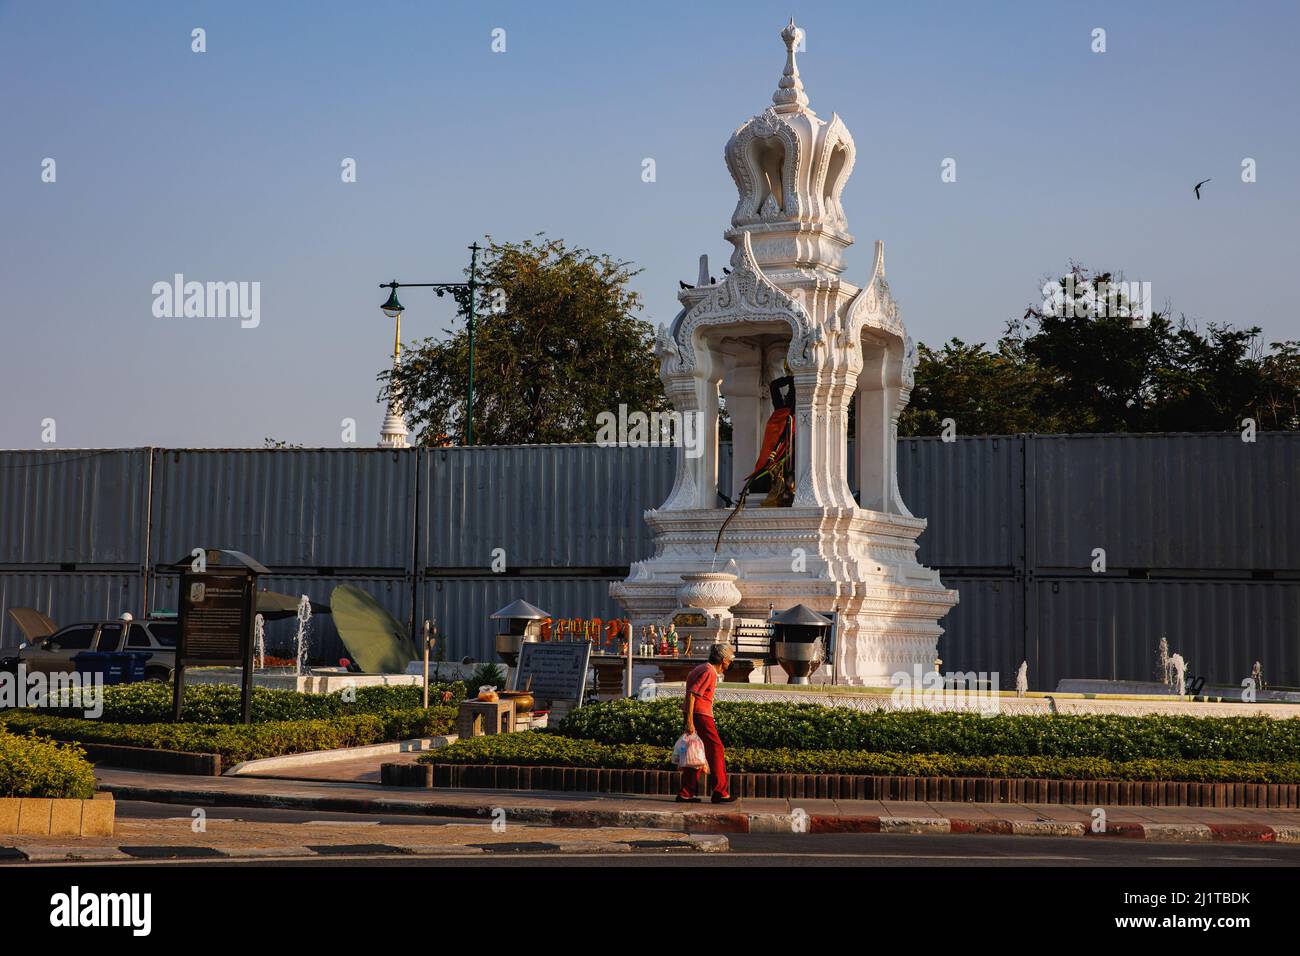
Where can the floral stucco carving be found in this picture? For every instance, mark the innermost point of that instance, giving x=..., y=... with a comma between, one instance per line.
x=837, y=136
x=742, y=161
x=745, y=296
x=874, y=306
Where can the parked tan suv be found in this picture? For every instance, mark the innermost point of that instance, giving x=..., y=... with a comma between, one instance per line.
x=49, y=648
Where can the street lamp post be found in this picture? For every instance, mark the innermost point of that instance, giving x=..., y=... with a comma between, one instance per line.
x=469, y=386
x=466, y=293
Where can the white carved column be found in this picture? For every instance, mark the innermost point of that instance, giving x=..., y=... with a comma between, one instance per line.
x=899, y=377
x=812, y=438
x=742, y=388
x=875, y=414
x=686, y=396
x=840, y=397
x=706, y=465
x=805, y=387
x=846, y=359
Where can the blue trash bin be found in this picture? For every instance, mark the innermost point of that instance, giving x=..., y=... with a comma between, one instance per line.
x=113, y=673
x=98, y=662
x=132, y=665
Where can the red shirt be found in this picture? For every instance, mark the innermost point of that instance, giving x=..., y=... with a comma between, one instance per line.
x=700, y=683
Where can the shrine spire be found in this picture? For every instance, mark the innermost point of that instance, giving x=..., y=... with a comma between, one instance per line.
x=789, y=95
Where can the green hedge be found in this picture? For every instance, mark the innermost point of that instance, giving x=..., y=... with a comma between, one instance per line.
x=33, y=767
x=151, y=702
x=237, y=742
x=812, y=727
x=548, y=749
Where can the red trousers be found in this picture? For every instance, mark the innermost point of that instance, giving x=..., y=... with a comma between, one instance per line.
x=717, y=757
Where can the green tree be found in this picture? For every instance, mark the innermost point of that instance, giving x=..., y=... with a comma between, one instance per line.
x=556, y=343
x=1102, y=364
x=1278, y=403
x=1212, y=380
x=1088, y=360
x=984, y=392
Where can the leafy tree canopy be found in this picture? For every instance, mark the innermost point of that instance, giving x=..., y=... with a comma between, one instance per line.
x=1088, y=360
x=556, y=343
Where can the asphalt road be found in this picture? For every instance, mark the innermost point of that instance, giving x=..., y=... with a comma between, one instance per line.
x=875, y=850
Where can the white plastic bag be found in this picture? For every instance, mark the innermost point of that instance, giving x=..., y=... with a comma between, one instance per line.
x=689, y=752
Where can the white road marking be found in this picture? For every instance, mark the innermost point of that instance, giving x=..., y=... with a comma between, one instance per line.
x=341, y=823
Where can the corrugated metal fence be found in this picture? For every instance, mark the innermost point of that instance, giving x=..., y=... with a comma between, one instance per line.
x=1200, y=534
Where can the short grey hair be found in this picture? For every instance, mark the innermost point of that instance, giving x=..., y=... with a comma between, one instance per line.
x=721, y=654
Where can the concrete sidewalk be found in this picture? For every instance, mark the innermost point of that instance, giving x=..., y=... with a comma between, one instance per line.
x=174, y=838
x=363, y=769
x=583, y=810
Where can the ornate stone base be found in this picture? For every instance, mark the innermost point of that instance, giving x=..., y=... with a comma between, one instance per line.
x=860, y=564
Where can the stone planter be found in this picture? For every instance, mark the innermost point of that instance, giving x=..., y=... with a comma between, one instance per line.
x=713, y=592
x=46, y=816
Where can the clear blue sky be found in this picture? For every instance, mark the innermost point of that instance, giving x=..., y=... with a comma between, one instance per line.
x=226, y=166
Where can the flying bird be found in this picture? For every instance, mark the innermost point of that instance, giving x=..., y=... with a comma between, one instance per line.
x=1197, y=188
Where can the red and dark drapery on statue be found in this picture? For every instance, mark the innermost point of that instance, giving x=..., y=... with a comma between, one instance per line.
x=774, y=470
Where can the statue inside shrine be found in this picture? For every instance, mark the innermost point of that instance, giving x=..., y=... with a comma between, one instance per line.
x=774, y=470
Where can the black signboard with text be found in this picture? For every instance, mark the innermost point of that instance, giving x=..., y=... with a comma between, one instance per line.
x=214, y=618
x=218, y=602
x=557, y=670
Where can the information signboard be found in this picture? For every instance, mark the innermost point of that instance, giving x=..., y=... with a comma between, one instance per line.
x=217, y=610
x=215, y=618
x=557, y=670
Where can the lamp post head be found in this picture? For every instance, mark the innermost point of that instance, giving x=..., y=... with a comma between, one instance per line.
x=392, y=308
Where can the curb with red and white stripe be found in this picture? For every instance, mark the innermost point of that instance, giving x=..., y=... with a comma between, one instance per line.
x=704, y=821
x=1168, y=832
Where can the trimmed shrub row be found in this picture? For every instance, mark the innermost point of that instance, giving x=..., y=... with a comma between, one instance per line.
x=237, y=742
x=32, y=767
x=811, y=727
x=548, y=749
x=151, y=702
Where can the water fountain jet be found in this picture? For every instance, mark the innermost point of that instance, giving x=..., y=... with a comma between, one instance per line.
x=259, y=642
x=300, y=639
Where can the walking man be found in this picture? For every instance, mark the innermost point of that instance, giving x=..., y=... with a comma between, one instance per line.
x=697, y=709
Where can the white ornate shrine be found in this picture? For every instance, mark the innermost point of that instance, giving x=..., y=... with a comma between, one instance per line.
x=784, y=304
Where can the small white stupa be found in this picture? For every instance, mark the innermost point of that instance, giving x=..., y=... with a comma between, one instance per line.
x=784, y=310
x=392, y=434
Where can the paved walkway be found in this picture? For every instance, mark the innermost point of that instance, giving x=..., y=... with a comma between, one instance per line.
x=361, y=770
x=174, y=838
x=354, y=795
